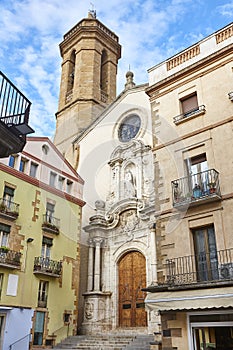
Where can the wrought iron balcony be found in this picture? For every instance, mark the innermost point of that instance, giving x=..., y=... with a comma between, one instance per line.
x=51, y=224
x=189, y=114
x=204, y=268
x=46, y=266
x=14, y=117
x=195, y=189
x=8, y=209
x=9, y=258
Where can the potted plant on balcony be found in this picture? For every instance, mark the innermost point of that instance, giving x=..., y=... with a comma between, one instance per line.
x=212, y=187
x=2, y=207
x=197, y=191
x=4, y=249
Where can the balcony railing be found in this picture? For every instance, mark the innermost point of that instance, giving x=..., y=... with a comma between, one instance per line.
x=192, y=113
x=14, y=116
x=196, y=188
x=47, y=266
x=9, y=209
x=211, y=267
x=9, y=258
x=50, y=224
x=14, y=107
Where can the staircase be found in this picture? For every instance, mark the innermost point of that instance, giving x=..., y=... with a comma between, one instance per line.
x=109, y=341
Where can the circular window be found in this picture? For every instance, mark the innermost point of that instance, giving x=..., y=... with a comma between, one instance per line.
x=129, y=128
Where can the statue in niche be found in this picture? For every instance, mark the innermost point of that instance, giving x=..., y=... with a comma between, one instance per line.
x=129, y=184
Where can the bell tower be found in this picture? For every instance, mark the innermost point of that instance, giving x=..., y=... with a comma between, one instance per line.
x=90, y=54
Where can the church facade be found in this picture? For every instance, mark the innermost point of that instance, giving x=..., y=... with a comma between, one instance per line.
x=155, y=244
x=112, y=150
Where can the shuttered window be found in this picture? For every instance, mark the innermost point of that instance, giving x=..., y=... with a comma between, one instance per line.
x=189, y=104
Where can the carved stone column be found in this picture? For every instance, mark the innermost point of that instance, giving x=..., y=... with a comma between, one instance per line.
x=97, y=271
x=153, y=254
x=90, y=267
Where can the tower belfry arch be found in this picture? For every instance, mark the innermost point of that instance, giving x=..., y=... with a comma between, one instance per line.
x=90, y=53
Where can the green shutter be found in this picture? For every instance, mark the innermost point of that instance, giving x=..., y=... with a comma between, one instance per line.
x=5, y=228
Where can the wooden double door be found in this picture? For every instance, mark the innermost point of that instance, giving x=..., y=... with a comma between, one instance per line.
x=132, y=278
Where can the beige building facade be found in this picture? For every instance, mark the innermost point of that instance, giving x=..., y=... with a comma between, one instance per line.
x=192, y=117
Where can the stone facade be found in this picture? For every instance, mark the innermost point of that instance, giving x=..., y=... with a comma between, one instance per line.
x=88, y=80
x=193, y=148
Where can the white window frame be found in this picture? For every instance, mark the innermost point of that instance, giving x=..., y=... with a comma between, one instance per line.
x=33, y=169
x=52, y=179
x=192, y=325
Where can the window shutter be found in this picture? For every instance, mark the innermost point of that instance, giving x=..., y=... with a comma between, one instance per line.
x=189, y=103
x=9, y=190
x=47, y=241
x=5, y=228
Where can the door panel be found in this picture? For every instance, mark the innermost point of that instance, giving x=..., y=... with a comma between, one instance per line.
x=132, y=278
x=206, y=254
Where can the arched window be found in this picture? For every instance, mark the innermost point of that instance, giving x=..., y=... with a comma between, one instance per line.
x=71, y=72
x=104, y=72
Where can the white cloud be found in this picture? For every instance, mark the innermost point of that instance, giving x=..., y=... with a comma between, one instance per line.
x=149, y=31
x=226, y=10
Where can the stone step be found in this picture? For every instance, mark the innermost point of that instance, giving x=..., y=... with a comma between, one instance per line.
x=112, y=341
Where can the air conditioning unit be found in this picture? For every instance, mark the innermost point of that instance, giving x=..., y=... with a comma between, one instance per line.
x=226, y=271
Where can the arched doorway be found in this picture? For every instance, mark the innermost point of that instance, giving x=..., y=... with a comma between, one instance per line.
x=132, y=278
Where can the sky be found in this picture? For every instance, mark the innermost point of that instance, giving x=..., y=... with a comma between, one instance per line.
x=149, y=31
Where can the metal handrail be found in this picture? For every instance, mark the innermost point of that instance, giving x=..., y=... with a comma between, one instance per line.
x=191, y=112
x=17, y=341
x=58, y=329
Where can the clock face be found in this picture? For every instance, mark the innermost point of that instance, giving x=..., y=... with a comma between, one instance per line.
x=129, y=128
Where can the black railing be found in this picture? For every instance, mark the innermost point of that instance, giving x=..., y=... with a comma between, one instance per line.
x=8, y=207
x=200, y=268
x=24, y=342
x=49, y=219
x=50, y=223
x=9, y=257
x=200, y=186
x=47, y=266
x=14, y=107
x=192, y=112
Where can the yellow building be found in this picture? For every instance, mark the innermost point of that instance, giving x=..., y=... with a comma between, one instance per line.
x=40, y=213
x=191, y=302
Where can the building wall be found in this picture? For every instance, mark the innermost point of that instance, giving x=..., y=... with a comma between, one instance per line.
x=32, y=195
x=204, y=69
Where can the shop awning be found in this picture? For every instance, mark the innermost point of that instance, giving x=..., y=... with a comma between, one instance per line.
x=190, y=299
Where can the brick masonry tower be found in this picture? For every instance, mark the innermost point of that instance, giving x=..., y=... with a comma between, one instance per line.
x=90, y=53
